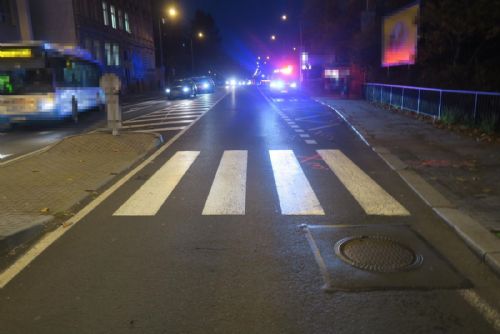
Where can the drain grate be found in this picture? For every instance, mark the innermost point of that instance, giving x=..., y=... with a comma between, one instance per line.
x=377, y=253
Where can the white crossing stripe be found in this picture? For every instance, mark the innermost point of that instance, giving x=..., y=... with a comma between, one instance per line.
x=228, y=192
x=148, y=200
x=372, y=198
x=155, y=124
x=294, y=191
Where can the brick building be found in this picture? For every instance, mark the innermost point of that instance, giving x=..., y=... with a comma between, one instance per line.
x=118, y=33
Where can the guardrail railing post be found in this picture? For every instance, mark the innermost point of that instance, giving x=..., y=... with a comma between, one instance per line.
x=475, y=108
x=418, y=102
x=390, y=97
x=403, y=99
x=381, y=89
x=440, y=101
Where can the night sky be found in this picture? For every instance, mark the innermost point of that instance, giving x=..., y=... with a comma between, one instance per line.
x=246, y=25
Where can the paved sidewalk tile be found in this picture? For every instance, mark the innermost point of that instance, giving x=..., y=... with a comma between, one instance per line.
x=463, y=170
x=52, y=182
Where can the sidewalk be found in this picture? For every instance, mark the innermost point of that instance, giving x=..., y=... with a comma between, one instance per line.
x=45, y=186
x=465, y=172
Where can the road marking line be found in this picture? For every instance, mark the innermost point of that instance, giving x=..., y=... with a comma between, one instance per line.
x=310, y=117
x=177, y=128
x=295, y=126
x=311, y=141
x=228, y=191
x=294, y=191
x=372, y=198
x=304, y=136
x=164, y=118
x=4, y=156
x=299, y=130
x=148, y=200
x=323, y=127
x=154, y=124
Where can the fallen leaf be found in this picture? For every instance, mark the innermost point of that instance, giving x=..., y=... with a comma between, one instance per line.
x=45, y=210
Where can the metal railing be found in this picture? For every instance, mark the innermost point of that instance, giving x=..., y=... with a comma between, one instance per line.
x=480, y=109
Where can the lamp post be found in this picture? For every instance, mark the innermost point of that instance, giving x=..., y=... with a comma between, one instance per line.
x=284, y=18
x=200, y=35
x=172, y=14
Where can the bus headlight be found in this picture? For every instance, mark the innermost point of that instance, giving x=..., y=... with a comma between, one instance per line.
x=167, y=90
x=185, y=89
x=47, y=104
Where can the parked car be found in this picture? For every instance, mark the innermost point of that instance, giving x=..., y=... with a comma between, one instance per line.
x=185, y=88
x=204, y=84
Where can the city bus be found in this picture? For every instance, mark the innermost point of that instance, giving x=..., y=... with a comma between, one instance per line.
x=38, y=81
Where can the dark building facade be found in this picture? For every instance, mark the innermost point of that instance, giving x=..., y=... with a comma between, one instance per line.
x=118, y=33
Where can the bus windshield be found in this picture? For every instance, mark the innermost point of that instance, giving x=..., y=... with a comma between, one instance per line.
x=26, y=81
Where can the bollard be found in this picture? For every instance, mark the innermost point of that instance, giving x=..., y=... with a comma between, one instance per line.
x=74, y=108
x=111, y=85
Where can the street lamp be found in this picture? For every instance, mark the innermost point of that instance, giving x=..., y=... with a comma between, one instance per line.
x=284, y=17
x=172, y=14
x=273, y=37
x=200, y=35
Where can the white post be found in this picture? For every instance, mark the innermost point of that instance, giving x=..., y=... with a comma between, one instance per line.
x=111, y=85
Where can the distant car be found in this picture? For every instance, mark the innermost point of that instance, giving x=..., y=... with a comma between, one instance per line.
x=204, y=84
x=185, y=88
x=283, y=84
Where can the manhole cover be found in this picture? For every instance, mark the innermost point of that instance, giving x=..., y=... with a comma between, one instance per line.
x=377, y=253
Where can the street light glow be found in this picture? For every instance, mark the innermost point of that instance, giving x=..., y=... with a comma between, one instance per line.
x=172, y=12
x=201, y=34
x=284, y=17
x=273, y=37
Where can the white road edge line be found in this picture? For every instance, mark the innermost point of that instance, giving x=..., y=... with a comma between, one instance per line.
x=47, y=240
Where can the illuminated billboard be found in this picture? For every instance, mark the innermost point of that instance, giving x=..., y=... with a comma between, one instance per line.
x=399, y=40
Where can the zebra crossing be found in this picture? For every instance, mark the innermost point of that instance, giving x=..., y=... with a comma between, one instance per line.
x=227, y=195
x=170, y=117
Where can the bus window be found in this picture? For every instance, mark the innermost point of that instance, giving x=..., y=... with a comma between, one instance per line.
x=25, y=81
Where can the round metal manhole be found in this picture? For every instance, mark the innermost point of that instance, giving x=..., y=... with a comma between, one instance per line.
x=377, y=253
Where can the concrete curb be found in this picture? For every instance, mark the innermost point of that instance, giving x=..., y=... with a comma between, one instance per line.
x=478, y=238
x=22, y=235
x=32, y=231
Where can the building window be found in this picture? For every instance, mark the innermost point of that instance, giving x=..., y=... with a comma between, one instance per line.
x=112, y=10
x=120, y=19
x=107, y=51
x=116, y=55
x=5, y=11
x=97, y=51
x=127, y=23
x=105, y=13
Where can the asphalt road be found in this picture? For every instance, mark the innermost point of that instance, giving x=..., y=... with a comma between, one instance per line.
x=232, y=229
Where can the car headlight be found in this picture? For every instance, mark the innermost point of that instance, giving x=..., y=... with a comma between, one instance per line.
x=277, y=84
x=185, y=89
x=205, y=85
x=293, y=85
x=167, y=90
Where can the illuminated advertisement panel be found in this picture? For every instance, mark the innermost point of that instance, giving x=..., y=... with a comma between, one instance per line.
x=399, y=40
